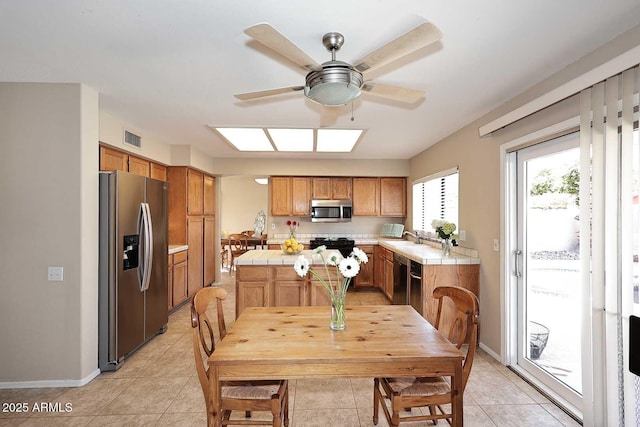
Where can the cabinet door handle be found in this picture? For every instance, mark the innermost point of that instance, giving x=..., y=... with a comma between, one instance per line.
x=518, y=252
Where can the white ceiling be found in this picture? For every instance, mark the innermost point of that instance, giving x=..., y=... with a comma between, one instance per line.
x=170, y=68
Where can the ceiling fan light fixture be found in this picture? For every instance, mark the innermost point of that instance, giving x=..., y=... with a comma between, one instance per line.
x=336, y=84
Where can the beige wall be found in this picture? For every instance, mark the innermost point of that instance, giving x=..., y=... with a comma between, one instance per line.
x=49, y=217
x=479, y=161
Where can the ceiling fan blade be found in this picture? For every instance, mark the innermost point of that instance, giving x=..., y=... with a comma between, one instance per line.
x=270, y=37
x=396, y=93
x=421, y=36
x=328, y=116
x=261, y=94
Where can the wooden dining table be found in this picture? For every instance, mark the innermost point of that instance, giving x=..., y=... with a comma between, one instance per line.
x=270, y=343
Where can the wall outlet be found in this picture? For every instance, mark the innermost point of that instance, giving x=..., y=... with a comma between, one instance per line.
x=55, y=274
x=496, y=245
x=273, y=225
x=462, y=235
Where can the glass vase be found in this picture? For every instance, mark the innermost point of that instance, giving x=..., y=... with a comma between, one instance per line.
x=292, y=234
x=337, y=314
x=446, y=248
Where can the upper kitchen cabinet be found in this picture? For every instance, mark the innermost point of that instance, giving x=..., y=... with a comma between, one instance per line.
x=139, y=166
x=331, y=188
x=290, y=195
x=195, y=200
x=393, y=196
x=366, y=196
x=280, y=195
x=158, y=171
x=300, y=196
x=209, y=196
x=386, y=196
x=112, y=159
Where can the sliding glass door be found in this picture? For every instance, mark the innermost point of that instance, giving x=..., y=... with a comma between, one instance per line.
x=546, y=266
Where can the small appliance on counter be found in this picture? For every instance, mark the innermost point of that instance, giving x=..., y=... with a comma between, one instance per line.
x=393, y=231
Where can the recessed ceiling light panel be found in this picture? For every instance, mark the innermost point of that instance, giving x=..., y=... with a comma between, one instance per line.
x=292, y=139
x=337, y=140
x=246, y=139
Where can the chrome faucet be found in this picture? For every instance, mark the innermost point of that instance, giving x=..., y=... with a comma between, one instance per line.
x=414, y=235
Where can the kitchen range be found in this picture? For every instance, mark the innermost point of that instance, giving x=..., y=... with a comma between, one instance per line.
x=342, y=244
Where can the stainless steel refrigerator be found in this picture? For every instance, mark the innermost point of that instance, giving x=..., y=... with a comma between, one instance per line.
x=132, y=296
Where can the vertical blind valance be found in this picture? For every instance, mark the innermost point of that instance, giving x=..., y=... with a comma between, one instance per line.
x=606, y=246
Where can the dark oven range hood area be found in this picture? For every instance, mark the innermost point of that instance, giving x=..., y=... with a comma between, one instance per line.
x=331, y=210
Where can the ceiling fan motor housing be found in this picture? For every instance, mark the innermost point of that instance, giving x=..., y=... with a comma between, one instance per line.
x=338, y=83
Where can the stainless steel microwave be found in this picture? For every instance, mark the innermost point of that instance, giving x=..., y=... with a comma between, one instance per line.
x=330, y=210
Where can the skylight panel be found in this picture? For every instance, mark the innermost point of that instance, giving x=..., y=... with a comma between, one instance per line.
x=292, y=139
x=337, y=140
x=246, y=139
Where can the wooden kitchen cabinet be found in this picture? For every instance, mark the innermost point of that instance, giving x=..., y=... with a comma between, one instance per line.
x=393, y=196
x=195, y=240
x=383, y=271
x=195, y=195
x=280, y=195
x=366, y=196
x=365, y=277
x=278, y=286
x=158, y=171
x=209, y=195
x=252, y=287
x=113, y=160
x=433, y=275
x=139, y=166
x=192, y=222
x=331, y=188
x=177, y=279
x=388, y=274
x=300, y=196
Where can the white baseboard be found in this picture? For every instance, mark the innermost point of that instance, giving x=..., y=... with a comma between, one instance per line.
x=51, y=383
x=491, y=352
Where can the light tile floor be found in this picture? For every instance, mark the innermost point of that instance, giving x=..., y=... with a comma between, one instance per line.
x=157, y=386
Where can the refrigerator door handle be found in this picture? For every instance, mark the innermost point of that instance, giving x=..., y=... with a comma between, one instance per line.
x=143, y=247
x=148, y=246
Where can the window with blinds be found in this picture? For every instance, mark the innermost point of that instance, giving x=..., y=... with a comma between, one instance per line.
x=435, y=197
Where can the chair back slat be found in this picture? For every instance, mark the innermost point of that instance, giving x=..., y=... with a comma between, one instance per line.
x=464, y=328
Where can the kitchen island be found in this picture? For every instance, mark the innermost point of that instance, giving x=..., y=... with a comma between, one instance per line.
x=267, y=279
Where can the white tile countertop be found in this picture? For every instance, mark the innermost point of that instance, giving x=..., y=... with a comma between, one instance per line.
x=426, y=254
x=274, y=257
x=177, y=248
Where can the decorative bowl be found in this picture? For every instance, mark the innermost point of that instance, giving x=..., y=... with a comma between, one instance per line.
x=283, y=247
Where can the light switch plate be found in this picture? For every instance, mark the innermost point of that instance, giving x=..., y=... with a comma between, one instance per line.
x=55, y=274
x=462, y=235
x=496, y=245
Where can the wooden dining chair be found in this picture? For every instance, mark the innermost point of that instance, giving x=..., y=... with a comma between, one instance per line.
x=237, y=246
x=247, y=396
x=433, y=392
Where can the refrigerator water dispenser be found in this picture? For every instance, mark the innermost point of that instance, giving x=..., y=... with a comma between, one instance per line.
x=130, y=254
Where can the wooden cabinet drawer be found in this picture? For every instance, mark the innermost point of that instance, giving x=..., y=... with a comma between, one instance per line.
x=254, y=274
x=179, y=257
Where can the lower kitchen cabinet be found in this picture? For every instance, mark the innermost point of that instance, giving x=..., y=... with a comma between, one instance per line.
x=433, y=275
x=365, y=276
x=177, y=279
x=383, y=271
x=277, y=286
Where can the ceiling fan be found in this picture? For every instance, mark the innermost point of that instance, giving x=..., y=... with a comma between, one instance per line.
x=334, y=82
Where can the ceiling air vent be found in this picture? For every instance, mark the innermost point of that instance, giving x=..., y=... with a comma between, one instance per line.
x=132, y=139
